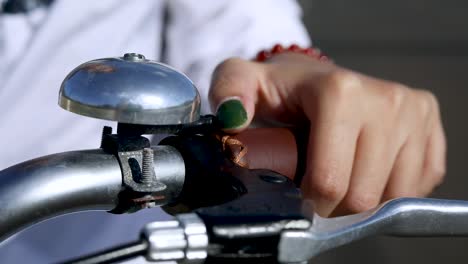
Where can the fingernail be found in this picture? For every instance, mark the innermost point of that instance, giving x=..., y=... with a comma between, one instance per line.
x=231, y=114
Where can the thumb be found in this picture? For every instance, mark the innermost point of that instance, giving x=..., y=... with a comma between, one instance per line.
x=234, y=92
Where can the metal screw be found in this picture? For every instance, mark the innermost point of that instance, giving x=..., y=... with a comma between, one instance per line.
x=147, y=169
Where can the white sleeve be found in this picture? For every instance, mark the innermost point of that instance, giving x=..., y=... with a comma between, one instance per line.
x=203, y=33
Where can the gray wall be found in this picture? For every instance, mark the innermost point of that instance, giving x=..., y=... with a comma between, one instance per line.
x=424, y=44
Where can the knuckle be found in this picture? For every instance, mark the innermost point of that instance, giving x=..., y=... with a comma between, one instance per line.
x=340, y=85
x=362, y=201
x=432, y=99
x=425, y=102
x=326, y=186
x=394, y=96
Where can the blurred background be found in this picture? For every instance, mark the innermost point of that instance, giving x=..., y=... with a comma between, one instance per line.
x=421, y=43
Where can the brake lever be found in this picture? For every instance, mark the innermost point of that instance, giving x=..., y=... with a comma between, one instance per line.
x=402, y=217
x=407, y=217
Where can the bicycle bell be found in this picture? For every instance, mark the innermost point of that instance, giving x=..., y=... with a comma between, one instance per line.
x=131, y=90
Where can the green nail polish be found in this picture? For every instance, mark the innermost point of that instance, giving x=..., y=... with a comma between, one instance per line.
x=231, y=114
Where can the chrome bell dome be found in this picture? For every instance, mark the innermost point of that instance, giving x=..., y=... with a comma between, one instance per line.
x=131, y=89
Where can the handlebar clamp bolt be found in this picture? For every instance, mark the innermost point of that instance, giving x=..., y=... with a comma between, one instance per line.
x=147, y=170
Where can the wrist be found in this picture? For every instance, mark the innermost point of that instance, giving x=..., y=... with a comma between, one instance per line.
x=278, y=49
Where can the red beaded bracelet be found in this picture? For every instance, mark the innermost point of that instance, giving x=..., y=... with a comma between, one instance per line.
x=278, y=49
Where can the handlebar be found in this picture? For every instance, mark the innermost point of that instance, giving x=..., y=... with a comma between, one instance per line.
x=57, y=184
x=74, y=181
x=235, y=212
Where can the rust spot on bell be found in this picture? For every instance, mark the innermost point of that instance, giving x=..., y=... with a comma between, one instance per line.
x=99, y=68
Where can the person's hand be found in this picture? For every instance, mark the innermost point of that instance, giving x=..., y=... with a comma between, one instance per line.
x=370, y=140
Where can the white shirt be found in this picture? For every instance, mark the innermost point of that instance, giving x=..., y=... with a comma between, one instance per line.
x=39, y=49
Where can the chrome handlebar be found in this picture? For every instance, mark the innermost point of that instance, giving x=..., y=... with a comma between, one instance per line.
x=74, y=181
